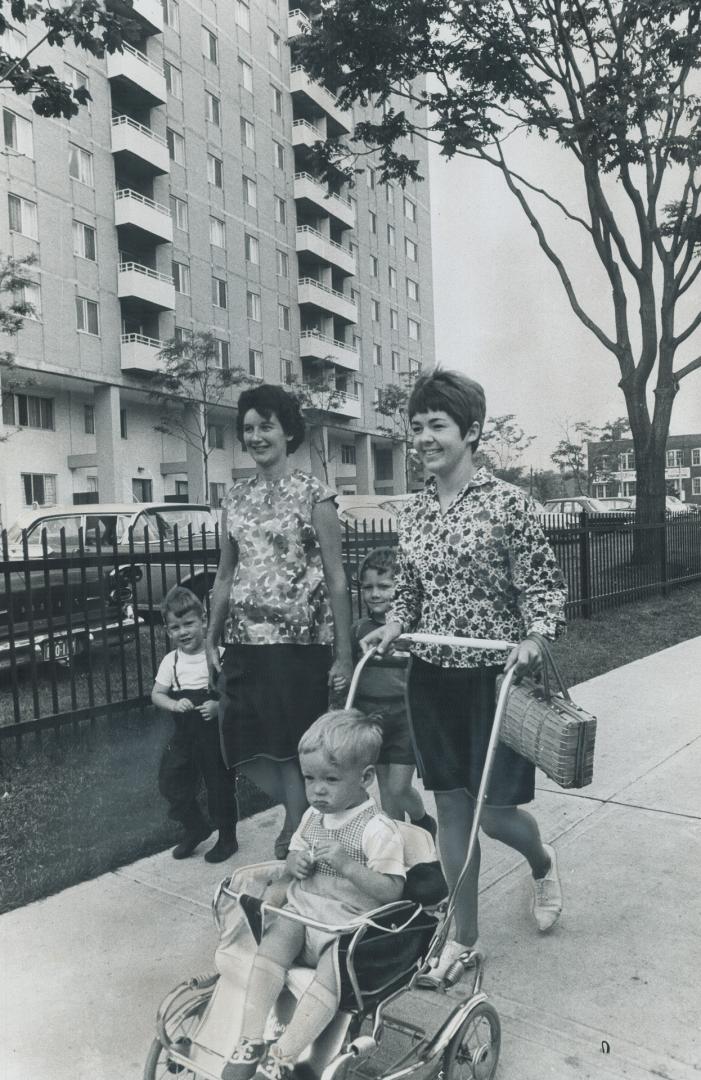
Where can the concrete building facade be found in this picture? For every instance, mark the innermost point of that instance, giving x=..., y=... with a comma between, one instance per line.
x=612, y=468
x=185, y=198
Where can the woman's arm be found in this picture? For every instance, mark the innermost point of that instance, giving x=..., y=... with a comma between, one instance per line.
x=219, y=602
x=328, y=531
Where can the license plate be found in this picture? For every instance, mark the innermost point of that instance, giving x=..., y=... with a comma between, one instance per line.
x=57, y=650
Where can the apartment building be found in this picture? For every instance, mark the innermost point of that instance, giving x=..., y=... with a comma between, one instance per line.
x=612, y=468
x=185, y=198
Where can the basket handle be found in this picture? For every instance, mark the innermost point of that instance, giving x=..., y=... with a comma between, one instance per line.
x=549, y=663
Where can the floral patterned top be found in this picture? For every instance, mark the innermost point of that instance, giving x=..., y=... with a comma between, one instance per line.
x=279, y=594
x=482, y=569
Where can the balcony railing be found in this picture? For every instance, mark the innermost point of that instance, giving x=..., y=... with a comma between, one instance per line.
x=117, y=121
x=140, y=339
x=332, y=292
x=298, y=69
x=127, y=193
x=316, y=335
x=142, y=58
x=139, y=268
x=300, y=124
x=327, y=240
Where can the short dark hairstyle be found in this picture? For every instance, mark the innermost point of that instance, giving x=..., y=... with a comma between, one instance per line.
x=269, y=400
x=461, y=398
x=180, y=601
x=381, y=559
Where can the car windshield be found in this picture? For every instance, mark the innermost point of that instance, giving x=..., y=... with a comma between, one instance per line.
x=53, y=527
x=161, y=524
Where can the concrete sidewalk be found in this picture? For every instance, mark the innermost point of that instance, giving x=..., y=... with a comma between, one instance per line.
x=83, y=972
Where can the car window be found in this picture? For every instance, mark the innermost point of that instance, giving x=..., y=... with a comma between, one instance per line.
x=110, y=529
x=161, y=524
x=52, y=527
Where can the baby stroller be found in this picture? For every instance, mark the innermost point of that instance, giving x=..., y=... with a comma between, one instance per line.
x=388, y=1026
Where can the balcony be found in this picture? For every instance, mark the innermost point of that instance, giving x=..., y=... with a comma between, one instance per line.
x=139, y=353
x=141, y=218
x=313, y=243
x=297, y=23
x=149, y=13
x=146, y=286
x=335, y=401
x=316, y=97
x=311, y=291
x=140, y=80
x=307, y=188
x=305, y=134
x=318, y=346
x=138, y=146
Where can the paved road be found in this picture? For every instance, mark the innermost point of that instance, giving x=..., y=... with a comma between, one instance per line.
x=84, y=971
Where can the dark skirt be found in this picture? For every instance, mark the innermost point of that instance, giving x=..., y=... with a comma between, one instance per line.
x=270, y=695
x=452, y=712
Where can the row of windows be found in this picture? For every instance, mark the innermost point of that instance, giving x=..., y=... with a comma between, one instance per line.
x=411, y=251
x=210, y=45
x=409, y=205
x=674, y=459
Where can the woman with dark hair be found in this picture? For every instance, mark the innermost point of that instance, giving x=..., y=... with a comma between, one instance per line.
x=280, y=599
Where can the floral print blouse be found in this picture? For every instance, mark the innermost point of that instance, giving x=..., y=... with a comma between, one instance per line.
x=483, y=569
x=279, y=594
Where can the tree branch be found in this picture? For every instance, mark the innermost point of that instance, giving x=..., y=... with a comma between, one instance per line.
x=693, y=365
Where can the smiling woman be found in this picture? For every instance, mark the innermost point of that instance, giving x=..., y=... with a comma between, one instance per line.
x=280, y=602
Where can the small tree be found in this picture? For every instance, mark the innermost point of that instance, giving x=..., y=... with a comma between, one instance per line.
x=189, y=387
x=570, y=454
x=392, y=402
x=502, y=445
x=318, y=396
x=14, y=276
x=90, y=24
x=543, y=484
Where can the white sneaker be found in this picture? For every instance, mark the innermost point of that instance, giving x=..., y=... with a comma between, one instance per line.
x=455, y=959
x=547, y=895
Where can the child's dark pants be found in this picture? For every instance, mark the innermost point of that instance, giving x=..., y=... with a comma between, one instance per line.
x=193, y=753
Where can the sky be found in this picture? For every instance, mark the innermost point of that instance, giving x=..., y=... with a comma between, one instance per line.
x=501, y=313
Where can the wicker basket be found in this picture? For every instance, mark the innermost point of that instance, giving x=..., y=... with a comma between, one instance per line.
x=549, y=729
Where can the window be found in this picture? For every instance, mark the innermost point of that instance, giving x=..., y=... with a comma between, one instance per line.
x=246, y=75
x=273, y=43
x=412, y=251
x=243, y=15
x=142, y=490
x=182, y=335
x=215, y=437
x=412, y=289
x=409, y=209
x=391, y=235
x=212, y=108
x=222, y=354
x=255, y=363
x=377, y=354
x=373, y=266
x=395, y=360
x=123, y=425
x=18, y=133
x=87, y=319
x=278, y=155
x=171, y=14
x=182, y=489
x=30, y=294
x=217, y=232
x=277, y=101
x=414, y=366
x=251, y=248
x=176, y=146
x=178, y=209
x=393, y=319
x=89, y=419
x=370, y=178
x=34, y=412
x=210, y=45
x=375, y=308
x=215, y=173
x=249, y=191
x=248, y=134
x=389, y=192
x=174, y=81
x=219, y=298
x=280, y=210
x=286, y=371
x=283, y=317
x=627, y=460
x=217, y=494
x=372, y=217
x=675, y=459
x=84, y=241
x=392, y=277
x=80, y=164
x=414, y=329
x=348, y=454
x=23, y=216
x=696, y=456
x=78, y=79
x=253, y=306
x=39, y=488
x=696, y=485
x=181, y=278
x=283, y=264
x=13, y=42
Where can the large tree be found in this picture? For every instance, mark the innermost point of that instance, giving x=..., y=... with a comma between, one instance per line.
x=612, y=84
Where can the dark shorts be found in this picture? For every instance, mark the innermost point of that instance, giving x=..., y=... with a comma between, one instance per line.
x=270, y=695
x=397, y=746
x=452, y=711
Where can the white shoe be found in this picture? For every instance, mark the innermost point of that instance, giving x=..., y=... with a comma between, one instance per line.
x=455, y=959
x=547, y=895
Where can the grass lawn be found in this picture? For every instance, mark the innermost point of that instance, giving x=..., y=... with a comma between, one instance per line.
x=87, y=802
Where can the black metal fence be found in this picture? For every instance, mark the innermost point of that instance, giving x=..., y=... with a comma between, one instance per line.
x=80, y=628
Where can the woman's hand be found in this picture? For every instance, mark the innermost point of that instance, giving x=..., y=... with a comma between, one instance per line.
x=340, y=674
x=525, y=659
x=213, y=661
x=382, y=638
x=300, y=864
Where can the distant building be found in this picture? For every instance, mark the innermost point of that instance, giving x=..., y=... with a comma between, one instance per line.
x=612, y=468
x=185, y=197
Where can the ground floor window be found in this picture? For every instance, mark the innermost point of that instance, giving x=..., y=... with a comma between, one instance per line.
x=348, y=454
x=39, y=488
x=217, y=492
x=181, y=489
x=142, y=490
x=696, y=485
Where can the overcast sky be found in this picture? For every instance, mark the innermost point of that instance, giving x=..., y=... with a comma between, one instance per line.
x=501, y=313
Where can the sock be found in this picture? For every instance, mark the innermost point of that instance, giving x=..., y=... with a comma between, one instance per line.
x=315, y=1009
x=266, y=980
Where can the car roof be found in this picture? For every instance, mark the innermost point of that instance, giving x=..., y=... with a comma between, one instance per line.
x=28, y=516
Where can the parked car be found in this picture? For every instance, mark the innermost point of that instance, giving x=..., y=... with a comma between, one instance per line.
x=49, y=606
x=673, y=505
x=380, y=511
x=597, y=514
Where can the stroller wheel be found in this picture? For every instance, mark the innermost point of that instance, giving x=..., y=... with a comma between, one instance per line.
x=160, y=1066
x=473, y=1052
x=181, y=1028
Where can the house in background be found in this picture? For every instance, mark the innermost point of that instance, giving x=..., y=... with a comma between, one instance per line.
x=612, y=468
